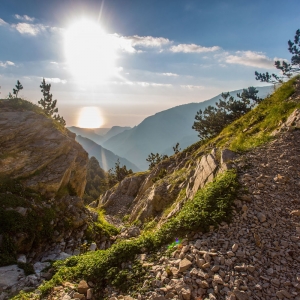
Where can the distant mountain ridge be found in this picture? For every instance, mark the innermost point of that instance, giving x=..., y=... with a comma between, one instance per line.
x=98, y=135
x=160, y=132
x=106, y=158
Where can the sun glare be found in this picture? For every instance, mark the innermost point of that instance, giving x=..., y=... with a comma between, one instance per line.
x=90, y=117
x=90, y=52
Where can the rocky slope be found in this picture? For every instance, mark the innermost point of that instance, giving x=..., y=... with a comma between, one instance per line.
x=35, y=150
x=42, y=178
x=257, y=256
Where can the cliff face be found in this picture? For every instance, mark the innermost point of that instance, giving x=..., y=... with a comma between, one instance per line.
x=35, y=150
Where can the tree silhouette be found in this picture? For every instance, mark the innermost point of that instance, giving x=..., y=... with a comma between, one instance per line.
x=48, y=104
x=287, y=69
x=213, y=119
x=19, y=87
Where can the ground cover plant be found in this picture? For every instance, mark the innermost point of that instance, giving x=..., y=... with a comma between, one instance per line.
x=211, y=206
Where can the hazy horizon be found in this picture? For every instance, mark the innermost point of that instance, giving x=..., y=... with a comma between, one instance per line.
x=117, y=63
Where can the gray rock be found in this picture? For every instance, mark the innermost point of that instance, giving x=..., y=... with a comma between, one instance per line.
x=204, y=173
x=227, y=155
x=184, y=265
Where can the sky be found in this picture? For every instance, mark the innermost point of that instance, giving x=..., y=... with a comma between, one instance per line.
x=115, y=62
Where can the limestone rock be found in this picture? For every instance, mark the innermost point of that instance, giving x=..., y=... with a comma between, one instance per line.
x=184, y=265
x=44, y=157
x=227, y=155
x=82, y=287
x=204, y=173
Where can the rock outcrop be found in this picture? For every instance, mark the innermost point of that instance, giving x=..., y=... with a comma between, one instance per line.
x=36, y=150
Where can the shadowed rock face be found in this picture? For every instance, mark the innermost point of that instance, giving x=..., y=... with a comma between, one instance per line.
x=33, y=149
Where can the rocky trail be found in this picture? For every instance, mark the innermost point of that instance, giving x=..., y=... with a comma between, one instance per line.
x=257, y=256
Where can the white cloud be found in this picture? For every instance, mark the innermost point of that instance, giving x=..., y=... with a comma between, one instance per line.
x=193, y=48
x=24, y=18
x=141, y=83
x=192, y=87
x=148, y=41
x=128, y=43
x=2, y=22
x=170, y=74
x=56, y=80
x=30, y=29
x=53, y=62
x=250, y=58
x=7, y=63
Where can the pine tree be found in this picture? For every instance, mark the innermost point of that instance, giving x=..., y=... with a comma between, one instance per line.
x=48, y=104
x=19, y=87
x=287, y=69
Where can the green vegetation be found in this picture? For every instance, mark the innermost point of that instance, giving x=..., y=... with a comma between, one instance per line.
x=19, y=87
x=255, y=128
x=162, y=173
x=117, y=174
x=100, y=227
x=48, y=104
x=34, y=224
x=27, y=267
x=211, y=206
x=212, y=121
x=155, y=159
x=287, y=69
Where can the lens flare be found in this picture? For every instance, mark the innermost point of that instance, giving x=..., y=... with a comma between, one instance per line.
x=90, y=117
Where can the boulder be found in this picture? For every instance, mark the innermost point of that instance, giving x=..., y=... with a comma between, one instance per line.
x=36, y=150
x=204, y=173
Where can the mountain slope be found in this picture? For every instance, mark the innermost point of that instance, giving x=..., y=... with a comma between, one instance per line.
x=158, y=133
x=106, y=158
x=98, y=135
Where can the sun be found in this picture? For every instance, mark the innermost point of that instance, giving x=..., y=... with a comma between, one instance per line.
x=90, y=52
x=90, y=117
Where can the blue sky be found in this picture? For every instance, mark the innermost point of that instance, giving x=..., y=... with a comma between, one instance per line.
x=133, y=58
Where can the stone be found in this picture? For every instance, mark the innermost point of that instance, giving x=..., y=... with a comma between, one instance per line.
x=218, y=279
x=79, y=295
x=66, y=297
x=184, y=265
x=296, y=212
x=227, y=156
x=9, y=275
x=93, y=247
x=204, y=173
x=82, y=287
x=44, y=148
x=261, y=217
x=234, y=247
x=22, y=259
x=186, y=294
x=241, y=295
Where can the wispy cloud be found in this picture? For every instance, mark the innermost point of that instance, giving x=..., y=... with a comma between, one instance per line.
x=170, y=74
x=56, y=80
x=24, y=18
x=2, y=22
x=193, y=48
x=141, y=83
x=148, y=41
x=29, y=29
x=129, y=43
x=192, y=87
x=250, y=58
x=6, y=63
